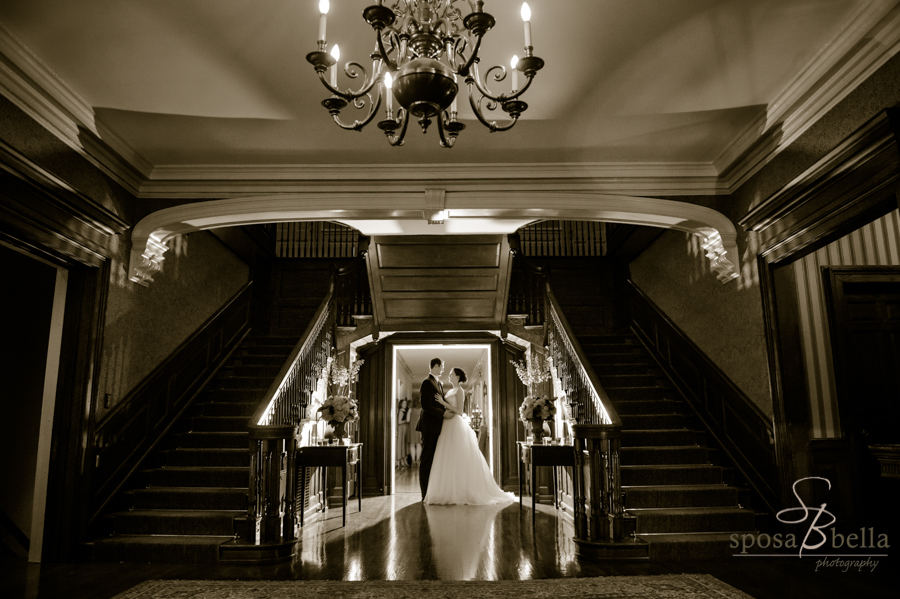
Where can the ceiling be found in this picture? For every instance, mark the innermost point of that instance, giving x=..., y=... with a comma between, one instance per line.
x=680, y=89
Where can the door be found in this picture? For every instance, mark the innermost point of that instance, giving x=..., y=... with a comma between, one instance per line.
x=864, y=311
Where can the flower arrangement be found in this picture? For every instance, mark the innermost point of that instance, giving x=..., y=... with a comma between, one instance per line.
x=536, y=410
x=339, y=407
x=531, y=374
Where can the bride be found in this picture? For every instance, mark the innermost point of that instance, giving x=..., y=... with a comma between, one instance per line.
x=460, y=474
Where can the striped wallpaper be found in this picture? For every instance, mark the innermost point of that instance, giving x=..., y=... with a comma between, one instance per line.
x=876, y=244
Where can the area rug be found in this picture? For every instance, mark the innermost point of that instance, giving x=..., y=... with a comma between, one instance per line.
x=684, y=586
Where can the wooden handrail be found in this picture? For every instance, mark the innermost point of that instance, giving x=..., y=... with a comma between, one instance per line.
x=265, y=413
x=607, y=413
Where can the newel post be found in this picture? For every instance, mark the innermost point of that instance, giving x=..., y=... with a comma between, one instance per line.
x=270, y=502
x=600, y=513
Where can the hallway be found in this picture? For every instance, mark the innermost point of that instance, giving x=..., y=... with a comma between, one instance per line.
x=398, y=538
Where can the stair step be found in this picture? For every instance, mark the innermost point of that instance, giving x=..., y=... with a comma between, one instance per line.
x=199, y=439
x=174, y=549
x=605, y=369
x=191, y=498
x=665, y=496
x=236, y=395
x=625, y=394
x=176, y=522
x=199, y=477
x=634, y=456
x=646, y=406
x=651, y=421
x=630, y=357
x=207, y=457
x=261, y=360
x=244, y=382
x=692, y=519
x=219, y=423
x=694, y=547
x=651, y=437
x=620, y=379
x=677, y=474
x=268, y=371
x=225, y=408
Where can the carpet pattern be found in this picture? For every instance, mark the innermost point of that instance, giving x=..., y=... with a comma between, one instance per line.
x=684, y=586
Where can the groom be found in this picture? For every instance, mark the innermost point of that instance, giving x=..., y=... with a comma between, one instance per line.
x=430, y=420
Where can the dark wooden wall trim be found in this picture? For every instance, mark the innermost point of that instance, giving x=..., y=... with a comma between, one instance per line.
x=741, y=429
x=44, y=216
x=852, y=185
x=129, y=432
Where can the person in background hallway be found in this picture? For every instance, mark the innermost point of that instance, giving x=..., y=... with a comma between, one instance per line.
x=415, y=437
x=402, y=446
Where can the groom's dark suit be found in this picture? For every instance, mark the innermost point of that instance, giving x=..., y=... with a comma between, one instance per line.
x=431, y=420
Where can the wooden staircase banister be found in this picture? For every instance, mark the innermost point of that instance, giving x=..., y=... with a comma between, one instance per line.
x=272, y=500
x=608, y=414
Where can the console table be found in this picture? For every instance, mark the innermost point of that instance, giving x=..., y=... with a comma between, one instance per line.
x=325, y=456
x=542, y=455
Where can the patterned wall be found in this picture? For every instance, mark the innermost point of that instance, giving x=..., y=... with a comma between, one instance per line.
x=876, y=244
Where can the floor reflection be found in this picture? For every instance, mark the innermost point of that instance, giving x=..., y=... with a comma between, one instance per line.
x=462, y=540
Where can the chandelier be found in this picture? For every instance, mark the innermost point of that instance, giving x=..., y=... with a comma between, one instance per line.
x=423, y=48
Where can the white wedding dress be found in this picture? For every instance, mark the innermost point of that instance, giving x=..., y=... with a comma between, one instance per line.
x=460, y=474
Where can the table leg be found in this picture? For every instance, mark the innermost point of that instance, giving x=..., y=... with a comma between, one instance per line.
x=533, y=491
x=555, y=490
x=324, y=489
x=359, y=480
x=344, y=493
x=520, y=478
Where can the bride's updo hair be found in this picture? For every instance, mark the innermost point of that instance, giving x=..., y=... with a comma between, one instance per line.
x=461, y=374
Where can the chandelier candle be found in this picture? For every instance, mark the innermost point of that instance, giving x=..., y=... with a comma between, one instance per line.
x=429, y=48
x=526, y=16
x=323, y=11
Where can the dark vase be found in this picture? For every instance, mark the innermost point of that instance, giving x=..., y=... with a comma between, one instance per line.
x=338, y=429
x=537, y=430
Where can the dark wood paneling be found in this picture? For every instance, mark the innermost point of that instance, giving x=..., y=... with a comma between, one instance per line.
x=510, y=393
x=427, y=254
x=130, y=431
x=738, y=426
x=447, y=308
x=434, y=283
x=444, y=282
x=373, y=421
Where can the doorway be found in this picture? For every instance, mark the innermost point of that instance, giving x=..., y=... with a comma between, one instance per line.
x=32, y=318
x=410, y=368
x=864, y=311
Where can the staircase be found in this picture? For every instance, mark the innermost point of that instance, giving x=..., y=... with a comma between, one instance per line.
x=684, y=500
x=185, y=504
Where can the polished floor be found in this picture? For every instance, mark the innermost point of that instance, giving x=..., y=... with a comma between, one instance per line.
x=399, y=538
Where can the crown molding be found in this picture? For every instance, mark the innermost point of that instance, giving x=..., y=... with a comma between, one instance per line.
x=38, y=91
x=217, y=181
x=867, y=41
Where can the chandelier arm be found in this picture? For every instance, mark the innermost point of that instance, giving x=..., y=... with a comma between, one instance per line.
x=492, y=125
x=397, y=140
x=505, y=97
x=358, y=125
x=464, y=70
x=444, y=142
x=384, y=55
